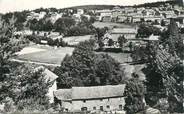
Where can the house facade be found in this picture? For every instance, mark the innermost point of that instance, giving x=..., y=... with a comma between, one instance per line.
x=104, y=98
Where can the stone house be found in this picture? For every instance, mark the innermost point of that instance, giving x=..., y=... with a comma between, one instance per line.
x=103, y=98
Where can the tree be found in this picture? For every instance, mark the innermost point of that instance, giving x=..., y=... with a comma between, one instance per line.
x=32, y=88
x=63, y=24
x=108, y=70
x=164, y=77
x=110, y=42
x=9, y=44
x=145, y=30
x=85, y=68
x=134, y=95
x=163, y=23
x=121, y=40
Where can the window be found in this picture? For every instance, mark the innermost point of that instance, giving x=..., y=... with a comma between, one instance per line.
x=84, y=101
x=101, y=99
x=94, y=108
x=84, y=109
x=101, y=108
x=108, y=99
x=108, y=107
x=120, y=107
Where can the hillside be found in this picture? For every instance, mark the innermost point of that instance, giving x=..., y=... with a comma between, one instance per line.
x=92, y=7
x=155, y=4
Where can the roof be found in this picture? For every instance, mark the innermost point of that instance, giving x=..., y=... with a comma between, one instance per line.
x=48, y=74
x=93, y=92
x=153, y=38
x=97, y=92
x=63, y=94
x=124, y=31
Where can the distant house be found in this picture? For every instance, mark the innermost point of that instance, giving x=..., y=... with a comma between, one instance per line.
x=76, y=17
x=104, y=12
x=104, y=98
x=80, y=11
x=121, y=18
x=152, y=38
x=55, y=16
x=106, y=18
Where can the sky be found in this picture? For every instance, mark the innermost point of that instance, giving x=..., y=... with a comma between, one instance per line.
x=19, y=5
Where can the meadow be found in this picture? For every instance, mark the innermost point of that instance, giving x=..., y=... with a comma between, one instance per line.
x=48, y=55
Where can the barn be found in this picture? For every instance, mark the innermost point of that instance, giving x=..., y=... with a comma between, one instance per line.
x=104, y=98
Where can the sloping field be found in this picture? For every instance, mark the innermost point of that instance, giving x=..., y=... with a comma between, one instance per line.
x=50, y=56
x=120, y=57
x=109, y=24
x=29, y=50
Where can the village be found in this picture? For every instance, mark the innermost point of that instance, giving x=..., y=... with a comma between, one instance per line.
x=100, y=61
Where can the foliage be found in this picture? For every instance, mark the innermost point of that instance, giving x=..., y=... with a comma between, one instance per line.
x=78, y=30
x=134, y=95
x=121, y=40
x=20, y=18
x=84, y=27
x=85, y=68
x=64, y=24
x=32, y=88
x=145, y=30
x=41, y=25
x=9, y=44
x=165, y=67
x=18, y=82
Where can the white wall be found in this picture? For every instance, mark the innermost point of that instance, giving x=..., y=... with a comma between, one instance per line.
x=112, y=102
x=50, y=92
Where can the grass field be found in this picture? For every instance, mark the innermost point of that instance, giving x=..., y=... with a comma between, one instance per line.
x=109, y=24
x=49, y=55
x=120, y=57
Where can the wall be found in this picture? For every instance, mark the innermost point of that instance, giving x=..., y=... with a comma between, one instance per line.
x=112, y=102
x=50, y=92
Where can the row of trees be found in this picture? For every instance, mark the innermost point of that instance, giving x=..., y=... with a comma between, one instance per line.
x=66, y=25
x=145, y=30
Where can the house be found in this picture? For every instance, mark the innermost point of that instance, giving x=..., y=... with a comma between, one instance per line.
x=106, y=18
x=80, y=11
x=104, y=98
x=104, y=12
x=49, y=77
x=76, y=17
x=55, y=16
x=121, y=18
x=128, y=33
x=152, y=38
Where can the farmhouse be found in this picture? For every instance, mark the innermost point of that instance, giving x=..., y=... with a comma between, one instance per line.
x=104, y=98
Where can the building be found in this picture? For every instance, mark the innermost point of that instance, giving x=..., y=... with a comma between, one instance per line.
x=128, y=33
x=104, y=98
x=106, y=18
x=80, y=11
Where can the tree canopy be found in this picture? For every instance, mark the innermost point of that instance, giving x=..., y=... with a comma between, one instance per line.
x=85, y=68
